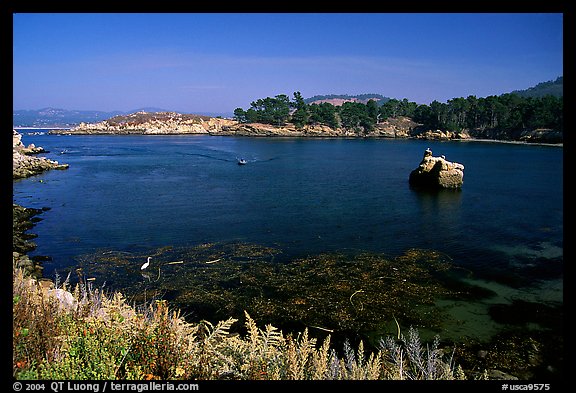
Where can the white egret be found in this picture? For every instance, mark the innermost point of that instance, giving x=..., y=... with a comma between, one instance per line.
x=146, y=264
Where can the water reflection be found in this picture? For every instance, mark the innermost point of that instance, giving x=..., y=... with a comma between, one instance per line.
x=440, y=224
x=435, y=200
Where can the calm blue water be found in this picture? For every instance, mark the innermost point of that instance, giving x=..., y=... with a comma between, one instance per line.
x=305, y=196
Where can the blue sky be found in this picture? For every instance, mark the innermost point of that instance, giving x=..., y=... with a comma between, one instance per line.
x=202, y=62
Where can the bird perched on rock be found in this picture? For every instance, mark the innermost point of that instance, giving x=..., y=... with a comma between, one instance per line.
x=144, y=266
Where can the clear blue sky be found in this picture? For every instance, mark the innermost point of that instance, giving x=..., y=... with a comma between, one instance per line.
x=201, y=62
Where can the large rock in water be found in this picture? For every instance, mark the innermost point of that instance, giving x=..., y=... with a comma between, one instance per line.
x=437, y=172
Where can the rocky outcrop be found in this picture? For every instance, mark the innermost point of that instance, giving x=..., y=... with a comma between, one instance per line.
x=287, y=130
x=23, y=219
x=396, y=127
x=400, y=127
x=25, y=164
x=153, y=123
x=542, y=135
x=18, y=146
x=437, y=172
x=441, y=135
x=536, y=136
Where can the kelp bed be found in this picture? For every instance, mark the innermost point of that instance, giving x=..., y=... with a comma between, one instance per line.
x=332, y=292
x=355, y=295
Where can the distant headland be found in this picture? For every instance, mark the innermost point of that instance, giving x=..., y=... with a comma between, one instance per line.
x=534, y=115
x=173, y=123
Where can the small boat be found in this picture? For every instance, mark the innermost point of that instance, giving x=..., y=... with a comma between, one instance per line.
x=242, y=161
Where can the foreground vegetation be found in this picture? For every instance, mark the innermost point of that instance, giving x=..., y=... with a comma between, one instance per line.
x=84, y=333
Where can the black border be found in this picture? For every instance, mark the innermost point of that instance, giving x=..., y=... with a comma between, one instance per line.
x=9, y=7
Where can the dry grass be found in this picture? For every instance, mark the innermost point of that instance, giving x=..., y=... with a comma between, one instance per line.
x=85, y=333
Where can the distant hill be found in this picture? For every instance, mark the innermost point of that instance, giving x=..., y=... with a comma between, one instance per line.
x=554, y=88
x=54, y=117
x=339, y=99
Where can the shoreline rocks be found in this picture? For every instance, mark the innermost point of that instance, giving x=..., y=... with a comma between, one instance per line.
x=437, y=172
x=25, y=164
x=174, y=123
x=287, y=130
x=23, y=219
x=24, y=161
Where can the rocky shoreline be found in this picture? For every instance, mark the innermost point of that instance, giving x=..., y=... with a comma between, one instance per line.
x=170, y=123
x=23, y=219
x=173, y=123
x=26, y=163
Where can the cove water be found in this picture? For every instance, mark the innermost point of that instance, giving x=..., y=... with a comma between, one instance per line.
x=307, y=196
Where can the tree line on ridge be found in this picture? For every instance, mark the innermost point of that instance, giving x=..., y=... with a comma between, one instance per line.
x=508, y=113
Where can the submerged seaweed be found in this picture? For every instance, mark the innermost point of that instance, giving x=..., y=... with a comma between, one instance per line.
x=347, y=295
x=333, y=292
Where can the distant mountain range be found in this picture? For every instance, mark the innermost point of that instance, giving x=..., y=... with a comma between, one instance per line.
x=62, y=118
x=58, y=118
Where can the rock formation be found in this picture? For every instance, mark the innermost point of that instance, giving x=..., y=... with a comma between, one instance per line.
x=24, y=164
x=437, y=172
x=153, y=123
x=440, y=135
x=287, y=130
x=542, y=135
